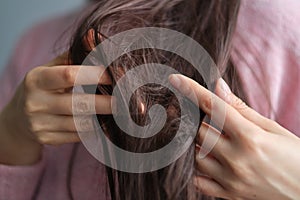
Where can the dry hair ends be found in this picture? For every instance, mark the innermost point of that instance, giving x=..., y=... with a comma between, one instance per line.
x=211, y=23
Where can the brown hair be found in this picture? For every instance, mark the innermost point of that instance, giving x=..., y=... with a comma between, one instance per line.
x=211, y=24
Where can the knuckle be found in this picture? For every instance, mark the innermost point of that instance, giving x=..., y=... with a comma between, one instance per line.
x=207, y=103
x=201, y=188
x=270, y=123
x=86, y=124
x=253, y=143
x=35, y=127
x=239, y=104
x=33, y=106
x=32, y=78
x=29, y=107
x=82, y=105
x=44, y=140
x=235, y=186
x=255, y=139
x=69, y=75
x=242, y=173
x=47, y=139
x=238, y=169
x=29, y=80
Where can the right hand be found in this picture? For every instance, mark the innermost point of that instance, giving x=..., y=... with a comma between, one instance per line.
x=41, y=110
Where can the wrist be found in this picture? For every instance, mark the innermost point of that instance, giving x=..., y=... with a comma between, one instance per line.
x=16, y=147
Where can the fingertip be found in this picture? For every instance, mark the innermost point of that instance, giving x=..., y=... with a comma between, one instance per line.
x=175, y=80
x=184, y=85
x=223, y=90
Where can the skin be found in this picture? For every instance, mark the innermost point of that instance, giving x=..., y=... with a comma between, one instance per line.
x=256, y=158
x=41, y=110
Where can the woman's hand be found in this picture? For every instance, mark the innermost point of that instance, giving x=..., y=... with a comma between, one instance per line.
x=41, y=110
x=255, y=159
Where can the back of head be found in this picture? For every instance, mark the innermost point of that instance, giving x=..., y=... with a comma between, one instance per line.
x=211, y=24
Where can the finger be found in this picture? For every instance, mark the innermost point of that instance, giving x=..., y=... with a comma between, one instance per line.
x=209, y=166
x=58, y=138
x=78, y=104
x=212, y=141
x=209, y=187
x=235, y=124
x=223, y=91
x=58, y=123
x=61, y=77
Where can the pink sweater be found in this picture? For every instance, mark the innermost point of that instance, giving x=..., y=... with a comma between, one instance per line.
x=266, y=53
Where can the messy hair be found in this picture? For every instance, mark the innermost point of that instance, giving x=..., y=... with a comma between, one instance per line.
x=210, y=23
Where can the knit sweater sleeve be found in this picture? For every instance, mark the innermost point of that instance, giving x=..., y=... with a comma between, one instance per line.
x=20, y=182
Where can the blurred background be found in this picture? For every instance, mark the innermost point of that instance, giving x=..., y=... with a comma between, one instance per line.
x=17, y=16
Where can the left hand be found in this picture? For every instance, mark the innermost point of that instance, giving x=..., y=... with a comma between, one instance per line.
x=256, y=158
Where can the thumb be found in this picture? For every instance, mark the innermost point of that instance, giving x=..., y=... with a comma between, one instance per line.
x=224, y=92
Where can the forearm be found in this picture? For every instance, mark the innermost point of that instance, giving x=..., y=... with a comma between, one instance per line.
x=15, y=147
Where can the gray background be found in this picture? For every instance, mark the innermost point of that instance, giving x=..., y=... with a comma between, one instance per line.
x=17, y=16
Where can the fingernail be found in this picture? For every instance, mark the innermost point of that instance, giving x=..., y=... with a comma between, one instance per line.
x=224, y=90
x=175, y=80
x=224, y=86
